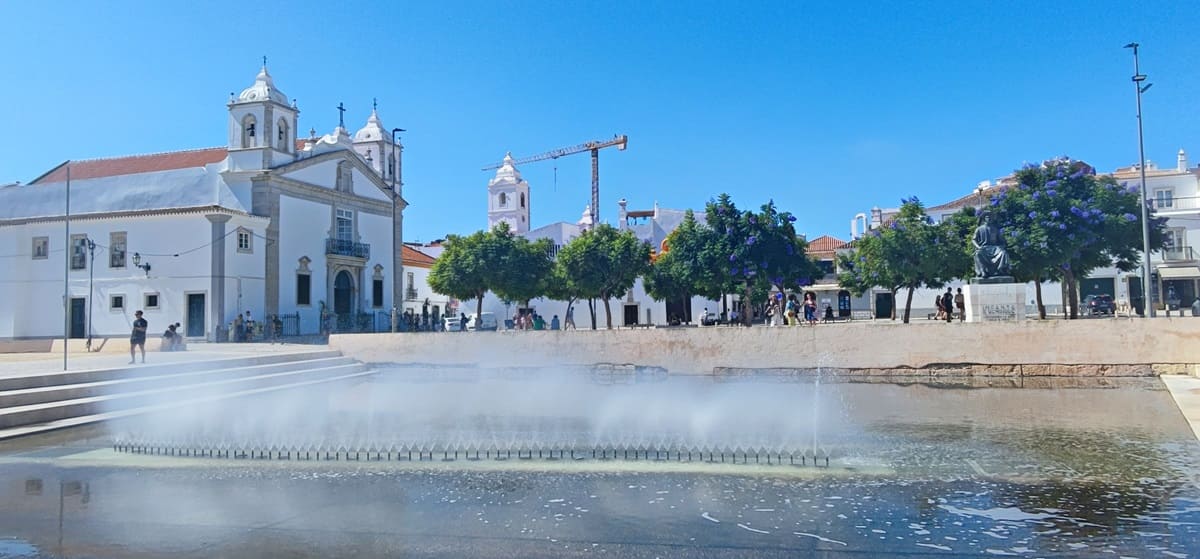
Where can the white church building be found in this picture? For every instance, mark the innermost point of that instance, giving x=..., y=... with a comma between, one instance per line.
x=268, y=223
x=509, y=201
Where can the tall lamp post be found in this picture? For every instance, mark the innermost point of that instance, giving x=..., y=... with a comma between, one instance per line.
x=1138, y=78
x=397, y=262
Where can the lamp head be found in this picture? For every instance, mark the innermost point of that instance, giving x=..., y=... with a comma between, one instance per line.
x=1132, y=46
x=137, y=260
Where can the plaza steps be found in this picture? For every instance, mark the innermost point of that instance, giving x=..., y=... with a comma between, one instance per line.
x=37, y=403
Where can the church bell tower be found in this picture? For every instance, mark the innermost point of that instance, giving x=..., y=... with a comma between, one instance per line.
x=508, y=198
x=262, y=126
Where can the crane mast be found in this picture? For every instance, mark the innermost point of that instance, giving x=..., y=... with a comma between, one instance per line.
x=619, y=141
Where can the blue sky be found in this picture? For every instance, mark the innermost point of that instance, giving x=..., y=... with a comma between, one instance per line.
x=827, y=109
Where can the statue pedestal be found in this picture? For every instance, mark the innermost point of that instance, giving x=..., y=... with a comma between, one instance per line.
x=994, y=302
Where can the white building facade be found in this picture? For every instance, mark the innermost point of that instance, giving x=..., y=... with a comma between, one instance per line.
x=302, y=229
x=509, y=201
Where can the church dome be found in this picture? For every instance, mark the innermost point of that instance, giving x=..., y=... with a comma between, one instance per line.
x=263, y=90
x=373, y=131
x=507, y=173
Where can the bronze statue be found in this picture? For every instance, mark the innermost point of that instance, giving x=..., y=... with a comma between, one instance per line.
x=991, y=260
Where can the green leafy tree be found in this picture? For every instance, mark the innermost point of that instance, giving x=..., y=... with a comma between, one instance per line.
x=907, y=253
x=687, y=267
x=1062, y=222
x=520, y=269
x=560, y=287
x=462, y=270
x=603, y=263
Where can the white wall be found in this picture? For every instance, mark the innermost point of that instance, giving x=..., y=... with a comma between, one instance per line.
x=38, y=310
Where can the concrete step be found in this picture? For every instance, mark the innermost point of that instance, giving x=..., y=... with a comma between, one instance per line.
x=77, y=420
x=64, y=409
x=44, y=394
x=37, y=380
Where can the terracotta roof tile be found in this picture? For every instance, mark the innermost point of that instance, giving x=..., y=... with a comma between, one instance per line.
x=825, y=244
x=414, y=257
x=134, y=164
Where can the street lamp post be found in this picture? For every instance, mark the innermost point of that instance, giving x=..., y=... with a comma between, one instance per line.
x=397, y=261
x=91, y=246
x=1138, y=78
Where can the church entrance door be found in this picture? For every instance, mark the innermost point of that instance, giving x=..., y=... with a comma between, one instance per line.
x=343, y=294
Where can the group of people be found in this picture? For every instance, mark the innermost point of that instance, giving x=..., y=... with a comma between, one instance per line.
x=950, y=303
x=527, y=319
x=172, y=338
x=792, y=311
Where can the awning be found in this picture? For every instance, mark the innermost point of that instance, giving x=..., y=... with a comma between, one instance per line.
x=1179, y=273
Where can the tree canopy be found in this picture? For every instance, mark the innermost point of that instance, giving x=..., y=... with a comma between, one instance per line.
x=1062, y=222
x=604, y=263
x=513, y=267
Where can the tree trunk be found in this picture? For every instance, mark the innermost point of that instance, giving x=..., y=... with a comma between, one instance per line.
x=592, y=310
x=894, y=304
x=907, y=303
x=479, y=305
x=1072, y=293
x=1037, y=289
x=747, y=308
x=607, y=312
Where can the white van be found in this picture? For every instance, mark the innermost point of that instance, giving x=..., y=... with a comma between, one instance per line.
x=453, y=324
x=482, y=321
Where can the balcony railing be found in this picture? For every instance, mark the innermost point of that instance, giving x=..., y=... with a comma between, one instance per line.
x=1176, y=203
x=410, y=294
x=1179, y=254
x=344, y=247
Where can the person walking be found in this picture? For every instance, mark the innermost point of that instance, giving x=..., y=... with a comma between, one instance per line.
x=137, y=338
x=948, y=305
x=570, y=321
x=961, y=304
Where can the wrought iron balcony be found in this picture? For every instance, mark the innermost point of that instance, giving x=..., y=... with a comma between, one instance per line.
x=1179, y=254
x=1175, y=203
x=344, y=247
x=410, y=294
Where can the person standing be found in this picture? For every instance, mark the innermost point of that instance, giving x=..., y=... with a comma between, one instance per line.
x=137, y=338
x=948, y=305
x=462, y=322
x=961, y=304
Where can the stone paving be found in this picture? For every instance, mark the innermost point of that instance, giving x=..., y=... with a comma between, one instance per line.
x=1186, y=391
x=13, y=364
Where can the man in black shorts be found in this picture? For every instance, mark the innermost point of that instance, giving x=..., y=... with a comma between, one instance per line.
x=138, y=337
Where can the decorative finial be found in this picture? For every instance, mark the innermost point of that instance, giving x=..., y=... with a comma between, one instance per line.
x=341, y=115
x=264, y=61
x=312, y=133
x=374, y=104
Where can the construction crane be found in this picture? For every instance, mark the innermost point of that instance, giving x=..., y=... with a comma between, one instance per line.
x=619, y=141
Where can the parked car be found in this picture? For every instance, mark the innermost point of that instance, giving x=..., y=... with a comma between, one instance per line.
x=482, y=321
x=1099, y=305
x=453, y=324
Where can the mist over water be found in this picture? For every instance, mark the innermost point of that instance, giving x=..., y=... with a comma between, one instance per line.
x=510, y=409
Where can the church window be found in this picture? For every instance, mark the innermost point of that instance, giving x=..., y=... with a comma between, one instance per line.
x=377, y=293
x=391, y=167
x=522, y=199
x=116, y=250
x=304, y=283
x=248, y=124
x=345, y=177
x=284, y=137
x=245, y=241
x=116, y=302
x=345, y=225
x=151, y=301
x=377, y=287
x=41, y=248
x=503, y=200
x=79, y=252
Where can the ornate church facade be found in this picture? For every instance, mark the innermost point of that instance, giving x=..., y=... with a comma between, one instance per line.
x=307, y=228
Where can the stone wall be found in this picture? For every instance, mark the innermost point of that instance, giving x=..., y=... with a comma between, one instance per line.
x=1110, y=347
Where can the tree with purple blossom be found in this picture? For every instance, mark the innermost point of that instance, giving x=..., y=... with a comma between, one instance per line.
x=1064, y=222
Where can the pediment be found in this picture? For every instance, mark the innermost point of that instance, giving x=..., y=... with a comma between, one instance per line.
x=338, y=170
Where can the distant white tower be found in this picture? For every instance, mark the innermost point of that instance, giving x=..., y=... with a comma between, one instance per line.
x=508, y=198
